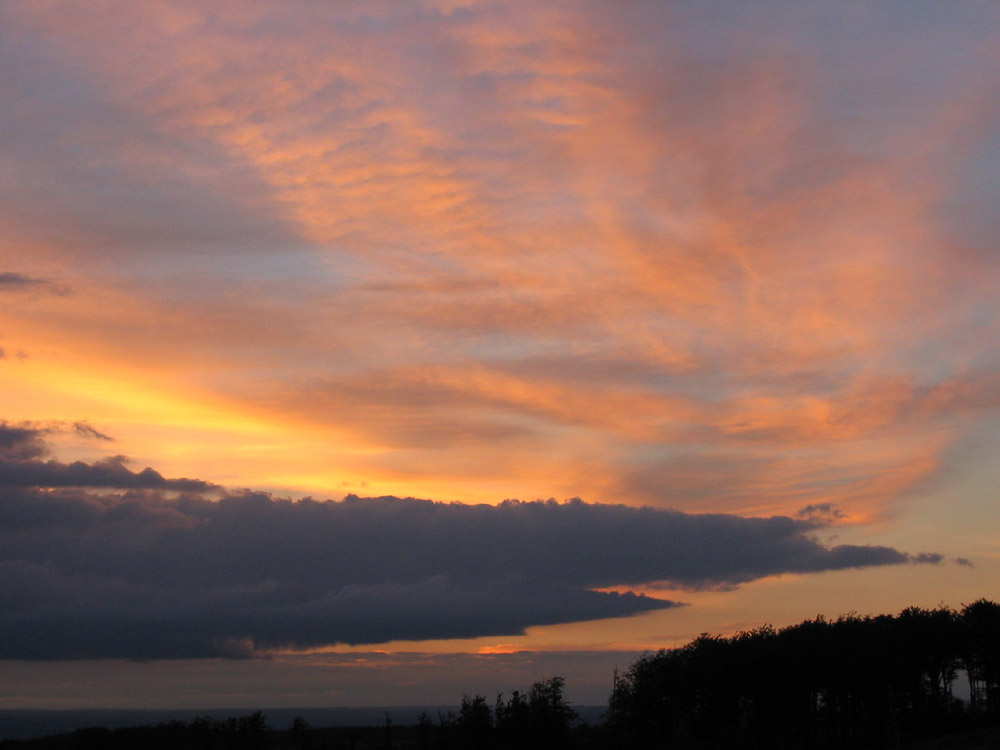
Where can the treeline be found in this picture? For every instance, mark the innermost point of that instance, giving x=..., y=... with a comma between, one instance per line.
x=854, y=682
x=249, y=732
x=539, y=718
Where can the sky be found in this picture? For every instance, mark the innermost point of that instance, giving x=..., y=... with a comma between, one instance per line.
x=378, y=353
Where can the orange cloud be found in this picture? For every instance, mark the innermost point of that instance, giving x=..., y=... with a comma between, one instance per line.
x=481, y=252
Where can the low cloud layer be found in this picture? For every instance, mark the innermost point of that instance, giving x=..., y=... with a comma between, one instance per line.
x=154, y=568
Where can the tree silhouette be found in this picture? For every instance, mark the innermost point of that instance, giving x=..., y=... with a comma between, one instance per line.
x=980, y=625
x=857, y=681
x=302, y=734
x=549, y=712
x=475, y=722
x=513, y=720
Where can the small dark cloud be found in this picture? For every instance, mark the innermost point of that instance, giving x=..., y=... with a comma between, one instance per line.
x=821, y=514
x=14, y=282
x=9, y=280
x=85, y=430
x=963, y=561
x=927, y=557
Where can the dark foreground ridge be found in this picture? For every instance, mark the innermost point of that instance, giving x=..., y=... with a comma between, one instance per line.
x=854, y=682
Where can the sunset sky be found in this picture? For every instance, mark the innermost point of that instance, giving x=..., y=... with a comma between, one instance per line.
x=675, y=317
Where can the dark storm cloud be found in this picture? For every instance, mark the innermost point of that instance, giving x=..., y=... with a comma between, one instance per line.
x=139, y=572
x=109, y=472
x=142, y=575
x=23, y=446
x=109, y=619
x=21, y=442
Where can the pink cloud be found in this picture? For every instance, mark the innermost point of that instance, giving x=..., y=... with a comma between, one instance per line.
x=632, y=250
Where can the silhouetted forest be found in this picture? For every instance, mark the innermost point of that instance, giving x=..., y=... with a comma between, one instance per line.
x=854, y=682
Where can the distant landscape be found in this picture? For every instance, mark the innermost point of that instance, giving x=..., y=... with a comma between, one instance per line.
x=883, y=681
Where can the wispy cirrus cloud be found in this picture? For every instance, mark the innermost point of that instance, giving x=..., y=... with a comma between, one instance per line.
x=633, y=251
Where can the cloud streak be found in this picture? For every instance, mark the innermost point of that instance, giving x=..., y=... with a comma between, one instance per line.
x=14, y=281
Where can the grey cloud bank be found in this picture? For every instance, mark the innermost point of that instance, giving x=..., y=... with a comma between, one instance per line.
x=148, y=567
